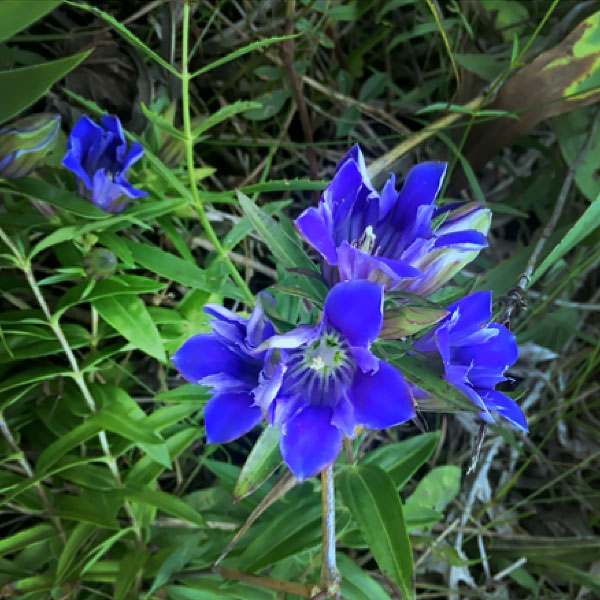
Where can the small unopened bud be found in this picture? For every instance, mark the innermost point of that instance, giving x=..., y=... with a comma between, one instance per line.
x=25, y=143
x=408, y=320
x=99, y=263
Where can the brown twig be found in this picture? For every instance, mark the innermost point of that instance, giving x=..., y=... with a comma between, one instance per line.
x=304, y=590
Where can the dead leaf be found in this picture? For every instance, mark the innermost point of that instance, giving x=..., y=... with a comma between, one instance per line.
x=558, y=81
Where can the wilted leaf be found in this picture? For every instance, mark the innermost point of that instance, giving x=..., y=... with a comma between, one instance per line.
x=556, y=82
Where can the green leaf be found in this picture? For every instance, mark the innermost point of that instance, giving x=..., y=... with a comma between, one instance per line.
x=587, y=223
x=169, y=266
x=356, y=584
x=130, y=565
x=172, y=505
x=122, y=424
x=269, y=105
x=240, y=52
x=373, y=501
x=27, y=537
x=402, y=459
x=28, y=84
x=79, y=536
x=423, y=376
x=162, y=123
x=130, y=37
x=222, y=114
x=55, y=451
x=129, y=316
x=483, y=65
x=177, y=560
x=263, y=459
x=57, y=197
x=284, y=248
x=13, y=18
x=295, y=529
x=437, y=489
x=117, y=285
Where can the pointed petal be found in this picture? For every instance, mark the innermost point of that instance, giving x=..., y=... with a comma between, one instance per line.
x=420, y=187
x=204, y=355
x=498, y=352
x=309, y=442
x=507, y=408
x=355, y=309
x=135, y=153
x=468, y=314
x=462, y=240
x=317, y=233
x=343, y=416
x=367, y=362
x=356, y=264
x=381, y=399
x=303, y=334
x=229, y=416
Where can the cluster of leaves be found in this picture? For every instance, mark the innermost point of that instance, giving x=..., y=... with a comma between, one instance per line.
x=106, y=486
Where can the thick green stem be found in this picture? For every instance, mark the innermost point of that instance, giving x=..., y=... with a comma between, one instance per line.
x=189, y=150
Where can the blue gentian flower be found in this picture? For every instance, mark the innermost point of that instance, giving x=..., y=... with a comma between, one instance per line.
x=475, y=355
x=390, y=237
x=327, y=382
x=229, y=361
x=99, y=157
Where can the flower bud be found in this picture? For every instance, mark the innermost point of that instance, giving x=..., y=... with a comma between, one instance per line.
x=407, y=320
x=25, y=143
x=99, y=263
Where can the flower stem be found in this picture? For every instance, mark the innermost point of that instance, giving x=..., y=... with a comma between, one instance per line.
x=189, y=150
x=25, y=265
x=330, y=578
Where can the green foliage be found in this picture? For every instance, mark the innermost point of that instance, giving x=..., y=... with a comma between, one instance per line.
x=107, y=487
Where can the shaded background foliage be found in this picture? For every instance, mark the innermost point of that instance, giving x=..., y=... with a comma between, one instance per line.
x=116, y=495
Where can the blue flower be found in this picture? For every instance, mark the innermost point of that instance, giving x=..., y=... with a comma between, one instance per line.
x=99, y=157
x=228, y=361
x=475, y=355
x=327, y=382
x=390, y=237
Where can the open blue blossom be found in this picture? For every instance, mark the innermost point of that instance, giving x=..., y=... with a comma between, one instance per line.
x=328, y=382
x=228, y=361
x=389, y=237
x=475, y=355
x=99, y=157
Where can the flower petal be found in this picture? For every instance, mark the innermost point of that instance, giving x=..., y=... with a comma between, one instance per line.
x=498, y=352
x=204, y=355
x=229, y=416
x=134, y=154
x=507, y=408
x=303, y=334
x=381, y=399
x=420, y=187
x=468, y=314
x=355, y=309
x=462, y=240
x=317, y=233
x=309, y=442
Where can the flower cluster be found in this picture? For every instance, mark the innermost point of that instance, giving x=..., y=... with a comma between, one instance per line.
x=320, y=383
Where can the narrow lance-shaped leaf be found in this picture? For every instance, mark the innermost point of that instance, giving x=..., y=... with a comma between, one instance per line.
x=374, y=503
x=130, y=317
x=263, y=459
